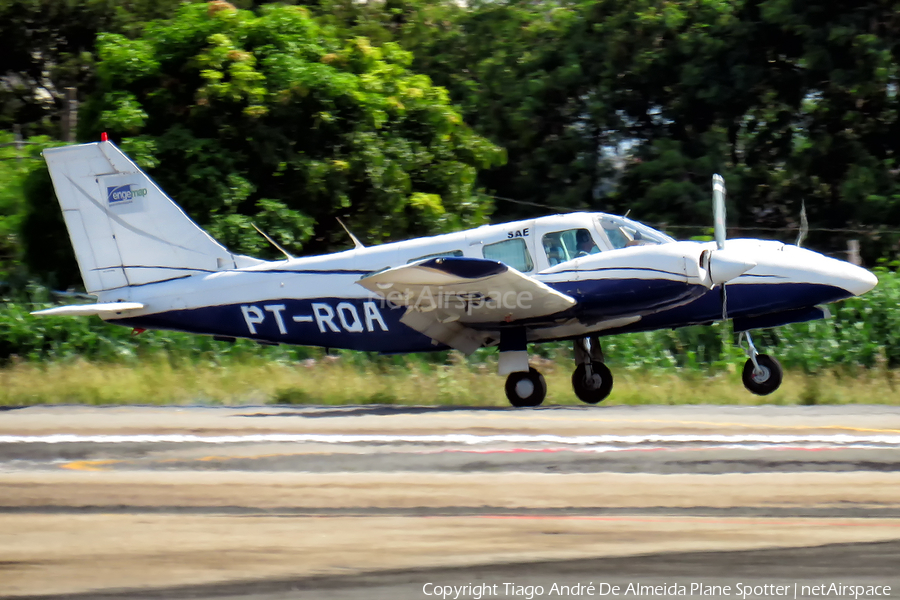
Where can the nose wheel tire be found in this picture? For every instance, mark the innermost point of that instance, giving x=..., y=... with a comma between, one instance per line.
x=594, y=388
x=767, y=379
x=526, y=389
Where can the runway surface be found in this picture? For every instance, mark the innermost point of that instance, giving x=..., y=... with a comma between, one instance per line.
x=381, y=502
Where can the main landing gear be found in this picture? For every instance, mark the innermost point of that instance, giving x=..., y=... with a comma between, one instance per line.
x=592, y=379
x=526, y=389
x=762, y=374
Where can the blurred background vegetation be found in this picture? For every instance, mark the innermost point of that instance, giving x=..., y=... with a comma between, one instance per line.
x=414, y=117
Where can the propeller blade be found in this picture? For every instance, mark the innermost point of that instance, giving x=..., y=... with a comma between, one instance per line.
x=723, y=296
x=719, y=210
x=804, y=224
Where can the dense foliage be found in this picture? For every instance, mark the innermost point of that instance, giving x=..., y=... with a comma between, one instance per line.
x=633, y=105
x=292, y=116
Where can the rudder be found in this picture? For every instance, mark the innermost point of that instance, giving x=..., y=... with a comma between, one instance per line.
x=125, y=230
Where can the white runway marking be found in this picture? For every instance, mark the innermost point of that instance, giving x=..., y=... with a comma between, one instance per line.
x=615, y=441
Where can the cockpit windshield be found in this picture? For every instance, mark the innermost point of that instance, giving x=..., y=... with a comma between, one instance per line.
x=624, y=233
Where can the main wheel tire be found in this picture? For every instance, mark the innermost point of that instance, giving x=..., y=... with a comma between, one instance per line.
x=595, y=388
x=765, y=382
x=526, y=389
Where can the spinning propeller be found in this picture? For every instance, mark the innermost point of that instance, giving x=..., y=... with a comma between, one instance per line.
x=804, y=225
x=724, y=265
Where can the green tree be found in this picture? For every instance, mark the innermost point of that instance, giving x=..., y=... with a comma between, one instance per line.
x=794, y=102
x=19, y=164
x=275, y=119
x=48, y=45
x=521, y=73
x=633, y=105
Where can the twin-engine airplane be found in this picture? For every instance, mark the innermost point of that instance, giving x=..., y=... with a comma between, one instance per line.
x=573, y=277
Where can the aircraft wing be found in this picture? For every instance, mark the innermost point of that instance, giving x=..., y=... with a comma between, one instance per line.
x=444, y=296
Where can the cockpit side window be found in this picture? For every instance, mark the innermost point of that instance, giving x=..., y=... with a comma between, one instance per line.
x=513, y=253
x=565, y=245
x=616, y=238
x=624, y=233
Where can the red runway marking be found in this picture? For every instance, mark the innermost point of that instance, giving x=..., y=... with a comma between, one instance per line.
x=605, y=450
x=747, y=520
x=539, y=450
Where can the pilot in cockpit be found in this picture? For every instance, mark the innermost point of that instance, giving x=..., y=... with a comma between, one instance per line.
x=585, y=244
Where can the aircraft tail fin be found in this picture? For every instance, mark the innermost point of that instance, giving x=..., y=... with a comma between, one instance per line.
x=125, y=230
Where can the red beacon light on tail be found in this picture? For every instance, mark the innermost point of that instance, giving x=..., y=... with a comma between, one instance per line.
x=104, y=137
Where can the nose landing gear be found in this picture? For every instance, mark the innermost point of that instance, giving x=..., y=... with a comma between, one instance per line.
x=592, y=379
x=762, y=374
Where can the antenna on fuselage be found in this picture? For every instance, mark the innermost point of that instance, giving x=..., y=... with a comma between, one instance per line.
x=356, y=243
x=271, y=241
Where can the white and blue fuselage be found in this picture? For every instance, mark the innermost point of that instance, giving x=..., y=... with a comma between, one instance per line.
x=315, y=301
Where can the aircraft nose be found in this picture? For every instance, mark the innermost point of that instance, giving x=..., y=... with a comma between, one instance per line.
x=845, y=275
x=857, y=280
x=801, y=265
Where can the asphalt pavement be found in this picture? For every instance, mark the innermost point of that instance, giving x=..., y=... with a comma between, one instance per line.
x=383, y=502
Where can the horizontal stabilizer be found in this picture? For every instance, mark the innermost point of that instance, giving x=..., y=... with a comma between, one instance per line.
x=90, y=309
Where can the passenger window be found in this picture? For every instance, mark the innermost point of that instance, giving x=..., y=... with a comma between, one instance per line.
x=512, y=253
x=566, y=245
x=436, y=255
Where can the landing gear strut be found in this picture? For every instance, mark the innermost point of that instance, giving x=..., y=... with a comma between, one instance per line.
x=592, y=379
x=524, y=385
x=762, y=373
x=526, y=389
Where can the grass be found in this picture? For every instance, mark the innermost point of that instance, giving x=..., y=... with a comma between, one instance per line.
x=335, y=381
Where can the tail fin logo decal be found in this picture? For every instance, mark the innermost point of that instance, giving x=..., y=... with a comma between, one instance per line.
x=123, y=194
